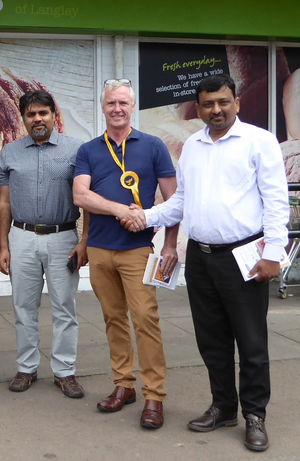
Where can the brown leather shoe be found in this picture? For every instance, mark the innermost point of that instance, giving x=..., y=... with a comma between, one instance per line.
x=212, y=419
x=69, y=386
x=22, y=381
x=152, y=415
x=256, y=434
x=115, y=402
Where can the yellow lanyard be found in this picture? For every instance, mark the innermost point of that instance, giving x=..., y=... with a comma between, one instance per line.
x=112, y=152
x=129, y=179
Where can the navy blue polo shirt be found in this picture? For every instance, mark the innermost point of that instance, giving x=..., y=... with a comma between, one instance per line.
x=149, y=158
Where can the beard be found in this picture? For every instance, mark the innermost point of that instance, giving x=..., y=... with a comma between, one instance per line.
x=38, y=133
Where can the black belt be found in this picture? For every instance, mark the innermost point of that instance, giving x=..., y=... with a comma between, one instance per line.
x=42, y=229
x=227, y=247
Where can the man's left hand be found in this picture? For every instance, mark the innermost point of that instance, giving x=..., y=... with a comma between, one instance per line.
x=265, y=270
x=82, y=257
x=170, y=258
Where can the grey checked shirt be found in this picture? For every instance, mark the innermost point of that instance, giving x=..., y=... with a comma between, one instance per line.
x=40, y=179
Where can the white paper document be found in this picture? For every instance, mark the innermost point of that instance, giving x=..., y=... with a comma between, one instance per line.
x=248, y=255
x=154, y=276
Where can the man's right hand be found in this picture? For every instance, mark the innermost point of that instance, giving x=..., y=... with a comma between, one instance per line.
x=134, y=219
x=5, y=261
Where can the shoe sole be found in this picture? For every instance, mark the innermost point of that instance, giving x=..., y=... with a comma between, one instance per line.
x=150, y=425
x=107, y=410
x=256, y=447
x=229, y=423
x=16, y=389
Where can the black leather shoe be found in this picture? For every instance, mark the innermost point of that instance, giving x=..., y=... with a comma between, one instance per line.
x=256, y=434
x=212, y=419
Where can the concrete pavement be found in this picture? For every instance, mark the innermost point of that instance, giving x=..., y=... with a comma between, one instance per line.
x=42, y=423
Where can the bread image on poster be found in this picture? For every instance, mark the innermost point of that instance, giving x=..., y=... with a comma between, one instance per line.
x=49, y=65
x=12, y=87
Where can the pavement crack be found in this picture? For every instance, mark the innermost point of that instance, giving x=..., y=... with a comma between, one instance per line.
x=286, y=337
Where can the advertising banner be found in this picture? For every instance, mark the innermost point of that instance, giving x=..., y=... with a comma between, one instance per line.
x=171, y=73
x=288, y=110
x=64, y=68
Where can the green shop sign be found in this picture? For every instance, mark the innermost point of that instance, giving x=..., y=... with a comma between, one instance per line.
x=45, y=13
x=270, y=19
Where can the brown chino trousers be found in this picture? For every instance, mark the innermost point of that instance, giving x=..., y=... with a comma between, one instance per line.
x=116, y=278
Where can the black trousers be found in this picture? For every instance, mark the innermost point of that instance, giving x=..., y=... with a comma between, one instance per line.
x=225, y=308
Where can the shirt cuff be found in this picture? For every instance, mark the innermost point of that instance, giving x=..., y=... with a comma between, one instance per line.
x=272, y=252
x=151, y=217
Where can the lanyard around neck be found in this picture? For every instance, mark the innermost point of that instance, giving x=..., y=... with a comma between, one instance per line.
x=129, y=179
x=112, y=152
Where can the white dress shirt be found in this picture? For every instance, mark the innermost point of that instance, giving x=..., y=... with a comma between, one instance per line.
x=229, y=190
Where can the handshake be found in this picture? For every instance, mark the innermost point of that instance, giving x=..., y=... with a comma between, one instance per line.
x=132, y=218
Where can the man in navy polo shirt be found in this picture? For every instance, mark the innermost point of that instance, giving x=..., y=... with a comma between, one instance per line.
x=112, y=171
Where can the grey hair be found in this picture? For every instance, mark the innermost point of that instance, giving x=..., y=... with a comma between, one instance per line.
x=113, y=86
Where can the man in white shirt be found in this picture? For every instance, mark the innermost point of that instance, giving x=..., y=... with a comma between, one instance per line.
x=231, y=189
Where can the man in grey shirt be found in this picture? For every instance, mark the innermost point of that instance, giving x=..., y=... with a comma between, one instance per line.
x=36, y=177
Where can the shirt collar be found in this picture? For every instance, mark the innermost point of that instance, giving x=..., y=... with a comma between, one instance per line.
x=135, y=134
x=235, y=130
x=52, y=140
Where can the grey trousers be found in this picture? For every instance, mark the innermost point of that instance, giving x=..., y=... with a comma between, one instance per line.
x=32, y=256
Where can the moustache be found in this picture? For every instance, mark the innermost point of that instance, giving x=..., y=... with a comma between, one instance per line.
x=217, y=116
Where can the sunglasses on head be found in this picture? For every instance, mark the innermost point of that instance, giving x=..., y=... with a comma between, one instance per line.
x=124, y=81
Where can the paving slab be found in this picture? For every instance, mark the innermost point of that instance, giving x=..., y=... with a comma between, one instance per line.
x=42, y=423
